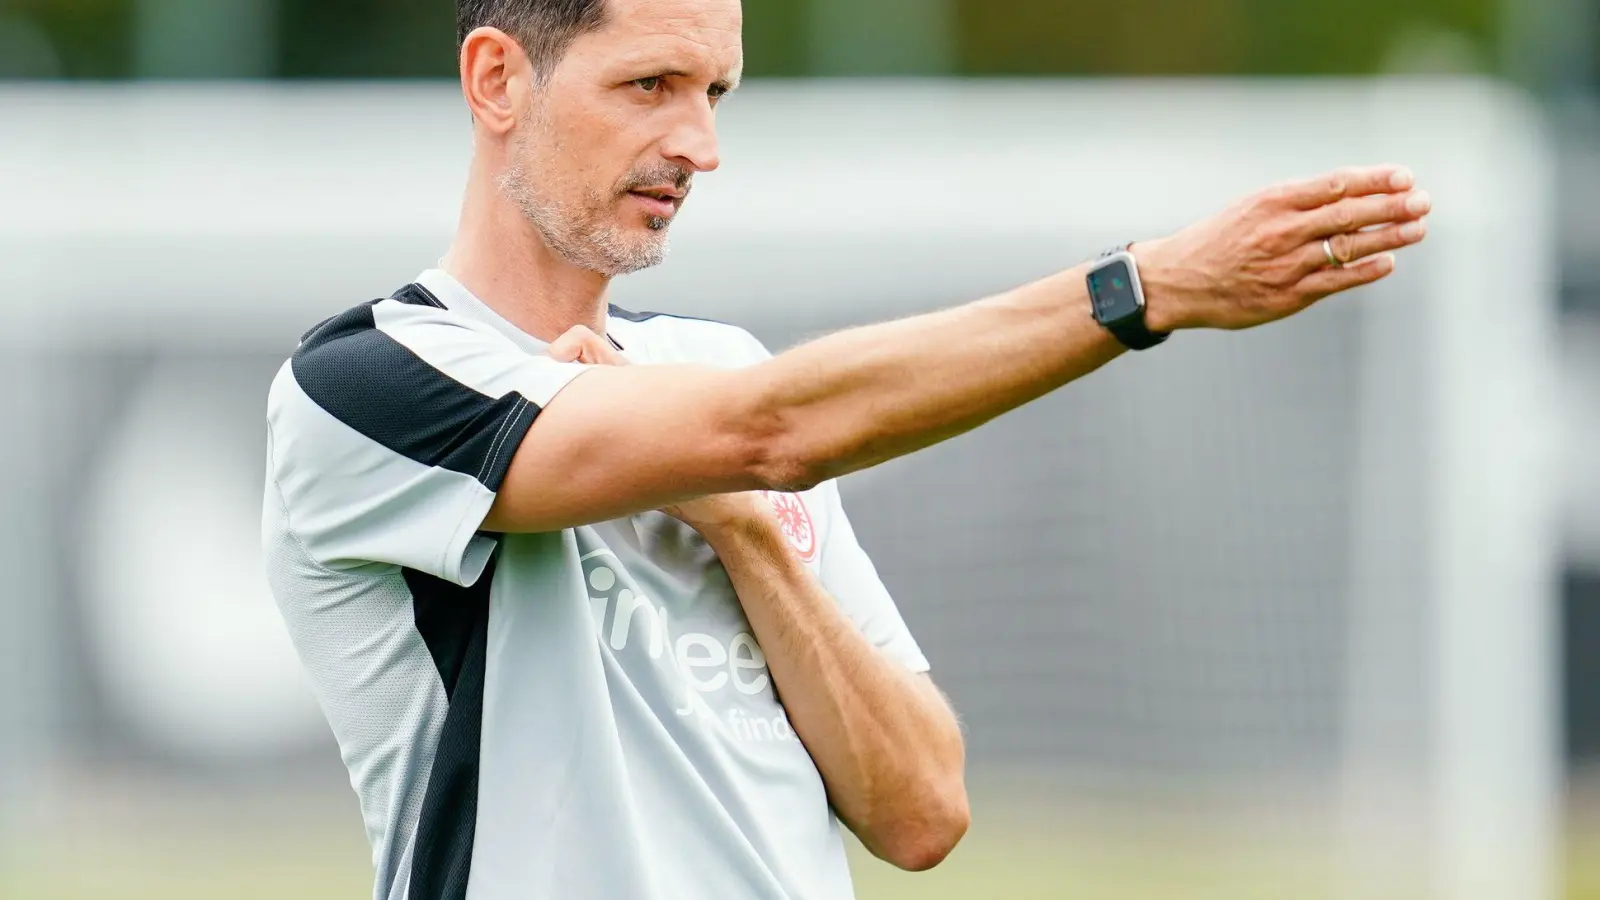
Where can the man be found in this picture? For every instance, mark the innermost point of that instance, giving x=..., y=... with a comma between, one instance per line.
x=587, y=629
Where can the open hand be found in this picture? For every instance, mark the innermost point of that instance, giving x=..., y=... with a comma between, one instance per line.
x=1264, y=257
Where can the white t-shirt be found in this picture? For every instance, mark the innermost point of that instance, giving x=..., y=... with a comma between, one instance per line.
x=568, y=715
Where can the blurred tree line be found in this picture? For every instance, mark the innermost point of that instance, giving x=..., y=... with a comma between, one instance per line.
x=415, y=38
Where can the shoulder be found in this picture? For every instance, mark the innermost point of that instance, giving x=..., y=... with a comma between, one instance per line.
x=412, y=345
x=369, y=334
x=391, y=367
x=392, y=383
x=693, y=339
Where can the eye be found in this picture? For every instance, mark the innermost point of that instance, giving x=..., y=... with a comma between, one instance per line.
x=717, y=92
x=649, y=85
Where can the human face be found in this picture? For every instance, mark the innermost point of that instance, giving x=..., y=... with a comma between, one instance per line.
x=604, y=155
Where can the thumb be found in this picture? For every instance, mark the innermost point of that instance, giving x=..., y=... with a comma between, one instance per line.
x=578, y=344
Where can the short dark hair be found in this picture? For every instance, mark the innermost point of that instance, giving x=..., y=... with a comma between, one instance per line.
x=545, y=28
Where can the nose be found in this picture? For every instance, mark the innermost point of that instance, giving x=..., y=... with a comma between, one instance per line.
x=693, y=141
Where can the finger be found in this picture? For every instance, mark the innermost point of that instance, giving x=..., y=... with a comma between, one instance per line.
x=1348, y=248
x=600, y=352
x=568, y=347
x=579, y=344
x=1332, y=281
x=1359, y=181
x=1361, y=212
x=564, y=351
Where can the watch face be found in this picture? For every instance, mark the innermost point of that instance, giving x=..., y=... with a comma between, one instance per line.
x=1111, y=290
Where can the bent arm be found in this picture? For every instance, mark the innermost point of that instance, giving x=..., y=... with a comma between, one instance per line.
x=885, y=740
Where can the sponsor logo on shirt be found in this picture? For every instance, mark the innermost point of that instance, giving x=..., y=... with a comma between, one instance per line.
x=704, y=666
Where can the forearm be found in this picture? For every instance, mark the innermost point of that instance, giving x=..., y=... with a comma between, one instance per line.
x=887, y=745
x=838, y=404
x=863, y=396
x=860, y=397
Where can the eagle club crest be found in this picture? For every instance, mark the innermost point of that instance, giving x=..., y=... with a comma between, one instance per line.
x=795, y=520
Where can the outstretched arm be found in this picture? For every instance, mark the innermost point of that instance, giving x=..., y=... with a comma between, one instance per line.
x=622, y=440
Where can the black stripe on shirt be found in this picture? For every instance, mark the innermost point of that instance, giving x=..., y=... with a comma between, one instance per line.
x=417, y=295
x=414, y=294
x=373, y=383
x=454, y=622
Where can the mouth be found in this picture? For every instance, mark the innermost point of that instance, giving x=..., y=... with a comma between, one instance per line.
x=659, y=202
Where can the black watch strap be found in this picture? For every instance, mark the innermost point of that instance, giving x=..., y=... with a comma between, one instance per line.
x=1132, y=332
x=1135, y=335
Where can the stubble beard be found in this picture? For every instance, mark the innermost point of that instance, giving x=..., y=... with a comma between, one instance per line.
x=583, y=235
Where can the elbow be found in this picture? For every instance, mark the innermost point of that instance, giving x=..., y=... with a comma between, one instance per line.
x=926, y=836
x=776, y=455
x=776, y=469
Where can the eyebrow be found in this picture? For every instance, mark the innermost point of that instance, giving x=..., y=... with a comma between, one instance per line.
x=729, y=83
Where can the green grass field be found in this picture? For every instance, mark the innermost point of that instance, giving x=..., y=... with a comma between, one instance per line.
x=997, y=861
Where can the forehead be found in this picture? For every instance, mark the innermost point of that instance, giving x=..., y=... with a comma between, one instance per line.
x=706, y=30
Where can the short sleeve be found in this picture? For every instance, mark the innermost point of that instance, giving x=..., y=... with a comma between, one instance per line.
x=848, y=574
x=392, y=428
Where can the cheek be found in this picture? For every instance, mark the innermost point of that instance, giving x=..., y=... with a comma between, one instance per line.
x=553, y=168
x=588, y=155
x=595, y=141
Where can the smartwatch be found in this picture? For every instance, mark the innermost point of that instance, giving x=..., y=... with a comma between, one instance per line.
x=1117, y=298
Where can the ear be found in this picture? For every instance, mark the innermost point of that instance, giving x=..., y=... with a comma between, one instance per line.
x=496, y=78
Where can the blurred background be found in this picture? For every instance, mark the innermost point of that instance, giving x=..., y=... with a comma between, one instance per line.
x=1309, y=612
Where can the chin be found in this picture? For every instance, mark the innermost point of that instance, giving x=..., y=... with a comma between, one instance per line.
x=619, y=248
x=649, y=241
x=653, y=255
x=639, y=256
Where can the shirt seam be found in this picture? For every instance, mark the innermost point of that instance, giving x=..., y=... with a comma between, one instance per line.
x=506, y=427
x=500, y=442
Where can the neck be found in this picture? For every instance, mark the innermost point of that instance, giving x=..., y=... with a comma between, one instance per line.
x=500, y=257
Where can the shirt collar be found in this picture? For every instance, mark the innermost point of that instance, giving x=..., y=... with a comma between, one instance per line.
x=456, y=298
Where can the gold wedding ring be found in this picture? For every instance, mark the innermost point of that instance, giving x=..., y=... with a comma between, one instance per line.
x=1336, y=262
